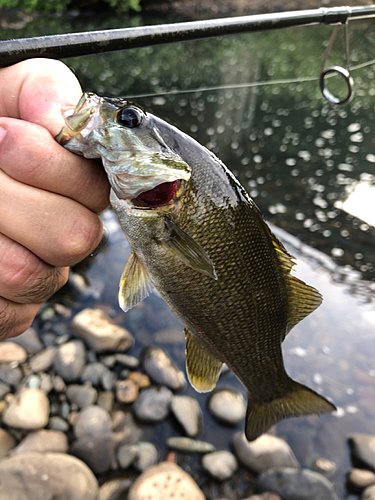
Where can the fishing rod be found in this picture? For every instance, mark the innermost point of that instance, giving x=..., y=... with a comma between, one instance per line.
x=94, y=42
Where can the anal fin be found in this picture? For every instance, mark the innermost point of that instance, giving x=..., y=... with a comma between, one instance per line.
x=135, y=284
x=203, y=369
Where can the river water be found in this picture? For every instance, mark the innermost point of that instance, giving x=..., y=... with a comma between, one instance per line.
x=310, y=167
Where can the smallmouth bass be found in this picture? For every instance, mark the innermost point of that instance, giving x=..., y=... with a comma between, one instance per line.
x=200, y=240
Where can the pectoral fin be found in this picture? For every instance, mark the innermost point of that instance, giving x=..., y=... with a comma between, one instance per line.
x=202, y=368
x=186, y=249
x=135, y=284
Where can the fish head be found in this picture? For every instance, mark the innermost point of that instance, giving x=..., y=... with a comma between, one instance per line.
x=142, y=169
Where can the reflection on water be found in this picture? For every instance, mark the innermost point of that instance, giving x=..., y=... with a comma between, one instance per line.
x=311, y=169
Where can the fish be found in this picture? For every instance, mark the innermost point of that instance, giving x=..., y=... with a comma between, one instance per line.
x=200, y=240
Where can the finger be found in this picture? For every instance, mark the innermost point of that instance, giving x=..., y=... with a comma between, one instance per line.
x=29, y=154
x=15, y=318
x=24, y=278
x=59, y=231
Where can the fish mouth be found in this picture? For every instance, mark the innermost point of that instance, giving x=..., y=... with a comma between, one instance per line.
x=159, y=196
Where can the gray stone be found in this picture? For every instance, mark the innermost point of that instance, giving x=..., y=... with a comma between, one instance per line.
x=46, y=476
x=46, y=384
x=33, y=382
x=94, y=326
x=165, y=480
x=42, y=361
x=106, y=400
x=11, y=352
x=292, y=484
x=126, y=360
x=43, y=441
x=126, y=455
x=10, y=374
x=93, y=373
x=114, y=489
x=228, y=406
x=108, y=379
x=220, y=464
x=189, y=445
x=361, y=478
x=29, y=409
x=161, y=369
x=29, y=340
x=126, y=391
x=368, y=493
x=57, y=423
x=98, y=452
x=91, y=421
x=7, y=443
x=70, y=360
x=58, y=384
x=153, y=404
x=4, y=389
x=81, y=395
x=188, y=413
x=264, y=453
x=362, y=447
x=324, y=466
x=147, y=456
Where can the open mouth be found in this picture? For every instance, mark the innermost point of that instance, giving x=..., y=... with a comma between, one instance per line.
x=160, y=195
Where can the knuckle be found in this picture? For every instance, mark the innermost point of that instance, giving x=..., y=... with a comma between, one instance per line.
x=15, y=319
x=80, y=240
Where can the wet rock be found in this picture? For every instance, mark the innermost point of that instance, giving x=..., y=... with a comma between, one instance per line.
x=114, y=489
x=228, y=406
x=46, y=476
x=93, y=373
x=189, y=445
x=98, y=452
x=165, y=480
x=220, y=464
x=29, y=340
x=324, y=466
x=94, y=326
x=106, y=400
x=147, y=456
x=10, y=374
x=292, y=484
x=368, y=493
x=91, y=421
x=33, y=382
x=108, y=379
x=81, y=395
x=127, y=454
x=360, y=478
x=7, y=443
x=153, y=404
x=128, y=361
x=43, y=441
x=362, y=447
x=11, y=352
x=143, y=381
x=161, y=369
x=42, y=361
x=126, y=391
x=29, y=409
x=70, y=360
x=264, y=453
x=57, y=423
x=188, y=413
x=125, y=425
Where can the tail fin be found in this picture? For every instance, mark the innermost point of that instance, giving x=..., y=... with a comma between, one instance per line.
x=300, y=400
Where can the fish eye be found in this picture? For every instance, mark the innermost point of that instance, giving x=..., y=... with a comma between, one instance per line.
x=129, y=117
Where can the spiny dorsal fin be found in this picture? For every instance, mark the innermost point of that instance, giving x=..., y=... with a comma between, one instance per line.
x=135, y=284
x=202, y=368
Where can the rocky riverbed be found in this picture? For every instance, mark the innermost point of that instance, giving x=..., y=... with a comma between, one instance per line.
x=76, y=413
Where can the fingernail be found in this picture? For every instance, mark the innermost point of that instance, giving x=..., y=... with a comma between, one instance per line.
x=2, y=133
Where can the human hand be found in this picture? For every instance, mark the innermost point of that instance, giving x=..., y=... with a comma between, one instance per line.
x=49, y=197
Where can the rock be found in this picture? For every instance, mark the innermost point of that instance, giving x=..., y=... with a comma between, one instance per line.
x=81, y=395
x=360, y=478
x=264, y=453
x=220, y=464
x=324, y=466
x=42, y=361
x=46, y=384
x=106, y=400
x=189, y=445
x=114, y=489
x=7, y=443
x=128, y=361
x=4, y=389
x=125, y=424
x=91, y=421
x=94, y=326
x=166, y=480
x=29, y=340
x=293, y=484
x=57, y=423
x=162, y=370
x=126, y=455
x=153, y=404
x=108, y=379
x=188, y=413
x=147, y=456
x=98, y=452
x=11, y=352
x=29, y=409
x=126, y=391
x=228, y=406
x=368, y=493
x=143, y=381
x=93, y=373
x=70, y=360
x=264, y=496
x=46, y=476
x=33, y=382
x=58, y=384
x=362, y=447
x=43, y=441
x=9, y=374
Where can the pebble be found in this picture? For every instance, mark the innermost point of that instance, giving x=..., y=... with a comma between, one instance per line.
x=167, y=481
x=81, y=395
x=58, y=384
x=158, y=365
x=143, y=381
x=126, y=455
x=153, y=404
x=264, y=453
x=57, y=423
x=147, y=456
x=42, y=441
x=228, y=406
x=29, y=409
x=126, y=391
x=128, y=361
x=46, y=384
x=4, y=389
x=189, y=445
x=46, y=476
x=324, y=466
x=114, y=489
x=93, y=373
x=91, y=421
x=7, y=443
x=106, y=400
x=108, y=379
x=9, y=374
x=360, y=478
x=70, y=360
x=94, y=326
x=188, y=413
x=42, y=361
x=362, y=447
x=264, y=496
x=220, y=464
x=368, y=493
x=97, y=451
x=11, y=352
x=293, y=484
x=29, y=340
